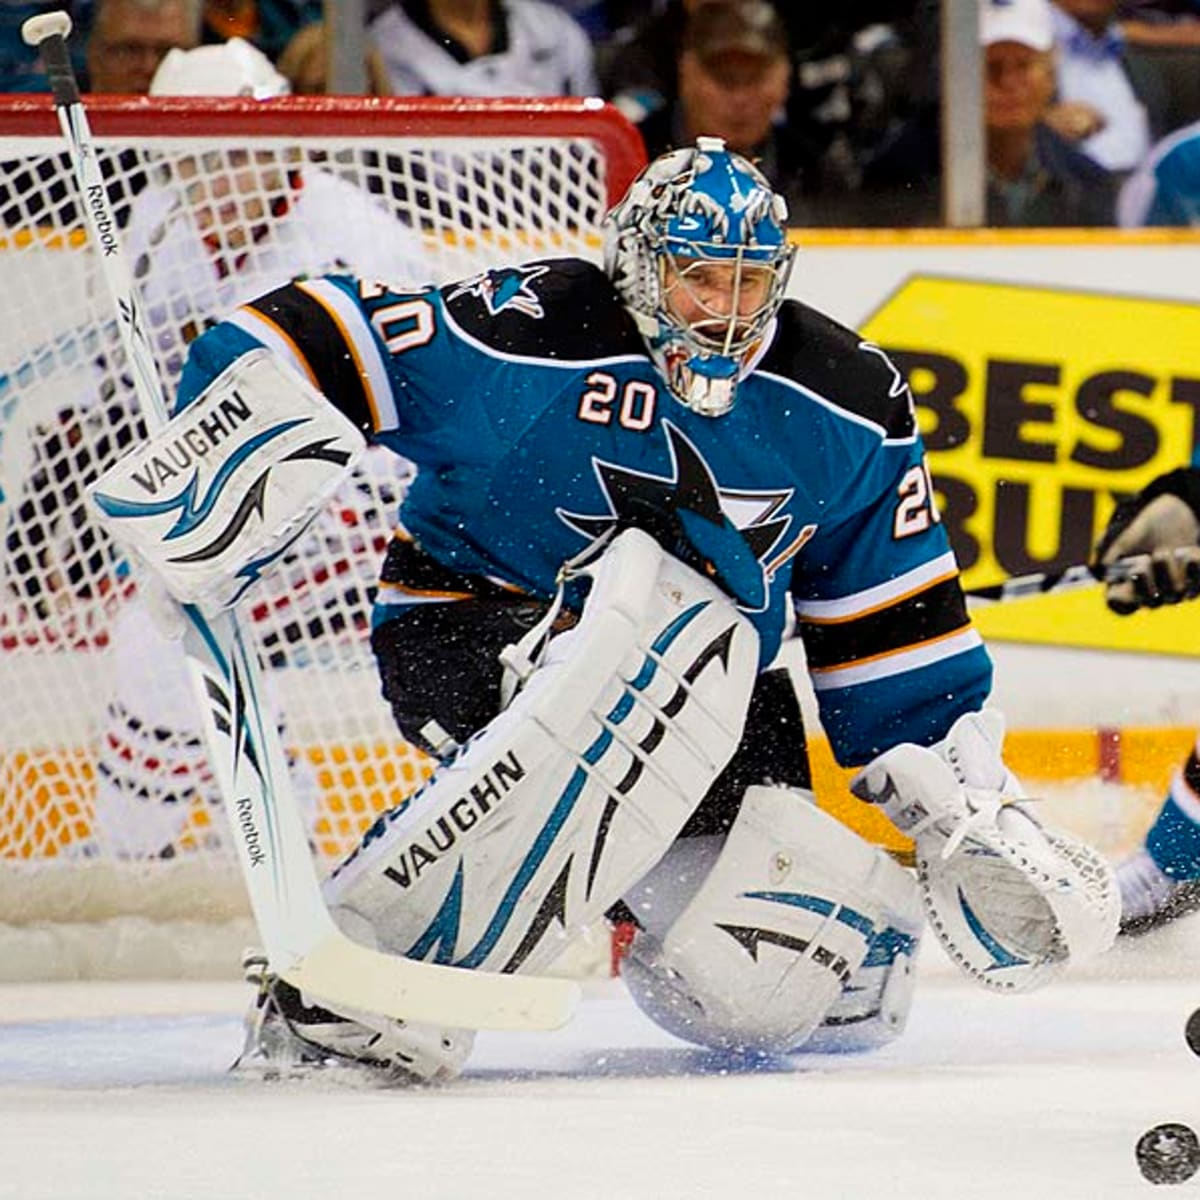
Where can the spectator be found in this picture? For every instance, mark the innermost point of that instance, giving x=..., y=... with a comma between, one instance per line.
x=483, y=48
x=1111, y=105
x=129, y=38
x=1171, y=23
x=268, y=24
x=196, y=256
x=305, y=64
x=849, y=85
x=1165, y=189
x=638, y=67
x=732, y=83
x=1035, y=177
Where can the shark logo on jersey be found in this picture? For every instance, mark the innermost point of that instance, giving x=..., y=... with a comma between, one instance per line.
x=504, y=288
x=730, y=534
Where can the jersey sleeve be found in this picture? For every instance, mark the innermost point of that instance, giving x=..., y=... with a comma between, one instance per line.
x=890, y=648
x=1176, y=198
x=344, y=335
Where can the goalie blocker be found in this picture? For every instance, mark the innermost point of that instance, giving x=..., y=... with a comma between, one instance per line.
x=228, y=484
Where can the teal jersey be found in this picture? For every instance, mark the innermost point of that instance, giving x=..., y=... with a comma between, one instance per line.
x=537, y=424
x=1165, y=189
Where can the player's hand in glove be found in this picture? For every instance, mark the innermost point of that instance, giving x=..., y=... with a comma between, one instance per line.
x=1011, y=900
x=1160, y=529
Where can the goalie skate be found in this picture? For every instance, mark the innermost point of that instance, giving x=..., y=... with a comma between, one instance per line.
x=289, y=1039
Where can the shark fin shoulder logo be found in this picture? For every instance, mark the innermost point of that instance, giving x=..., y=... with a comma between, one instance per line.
x=504, y=288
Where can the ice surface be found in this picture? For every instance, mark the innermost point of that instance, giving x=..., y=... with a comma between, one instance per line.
x=113, y=1090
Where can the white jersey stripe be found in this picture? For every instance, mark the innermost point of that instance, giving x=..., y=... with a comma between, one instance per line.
x=896, y=662
x=360, y=341
x=860, y=604
x=275, y=338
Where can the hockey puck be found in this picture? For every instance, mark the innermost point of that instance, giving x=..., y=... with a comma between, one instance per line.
x=1191, y=1032
x=1168, y=1154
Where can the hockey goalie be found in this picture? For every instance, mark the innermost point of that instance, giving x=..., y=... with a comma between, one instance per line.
x=633, y=484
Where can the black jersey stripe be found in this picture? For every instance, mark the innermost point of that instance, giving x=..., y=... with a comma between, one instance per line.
x=314, y=329
x=408, y=567
x=922, y=616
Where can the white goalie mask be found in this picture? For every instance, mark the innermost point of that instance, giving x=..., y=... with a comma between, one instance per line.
x=698, y=251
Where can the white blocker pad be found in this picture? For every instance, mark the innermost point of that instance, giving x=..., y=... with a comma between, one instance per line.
x=544, y=818
x=750, y=945
x=1011, y=901
x=228, y=484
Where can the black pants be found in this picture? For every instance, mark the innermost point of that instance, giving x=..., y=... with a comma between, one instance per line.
x=439, y=662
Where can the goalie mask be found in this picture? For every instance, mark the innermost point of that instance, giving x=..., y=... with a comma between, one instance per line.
x=698, y=251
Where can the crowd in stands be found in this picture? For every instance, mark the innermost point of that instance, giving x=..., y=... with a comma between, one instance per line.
x=1091, y=107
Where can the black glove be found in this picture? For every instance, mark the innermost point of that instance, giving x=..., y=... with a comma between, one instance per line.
x=1159, y=529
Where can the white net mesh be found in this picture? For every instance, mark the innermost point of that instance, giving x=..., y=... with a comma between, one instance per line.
x=107, y=805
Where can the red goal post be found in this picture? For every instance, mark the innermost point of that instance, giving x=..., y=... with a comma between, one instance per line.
x=107, y=807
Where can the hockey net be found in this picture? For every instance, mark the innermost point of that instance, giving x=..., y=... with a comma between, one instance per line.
x=113, y=849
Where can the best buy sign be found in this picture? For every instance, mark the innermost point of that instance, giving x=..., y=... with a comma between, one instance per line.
x=1040, y=408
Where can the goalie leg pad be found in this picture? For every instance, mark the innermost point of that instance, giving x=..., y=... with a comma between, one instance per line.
x=749, y=945
x=874, y=1005
x=572, y=793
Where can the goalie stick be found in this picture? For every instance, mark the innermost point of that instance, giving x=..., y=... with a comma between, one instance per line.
x=1068, y=579
x=301, y=940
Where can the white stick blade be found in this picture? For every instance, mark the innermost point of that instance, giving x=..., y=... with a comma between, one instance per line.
x=341, y=971
x=37, y=29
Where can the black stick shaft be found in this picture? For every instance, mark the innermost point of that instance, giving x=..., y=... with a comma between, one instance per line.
x=1043, y=583
x=57, y=61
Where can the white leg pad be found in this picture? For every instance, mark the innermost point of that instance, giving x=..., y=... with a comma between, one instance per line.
x=749, y=945
x=572, y=793
x=874, y=1005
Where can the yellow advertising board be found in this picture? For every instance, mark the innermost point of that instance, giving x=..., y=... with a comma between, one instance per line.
x=1041, y=407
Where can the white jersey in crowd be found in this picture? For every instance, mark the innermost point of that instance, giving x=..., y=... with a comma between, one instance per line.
x=1090, y=70
x=543, y=52
x=153, y=774
x=319, y=224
